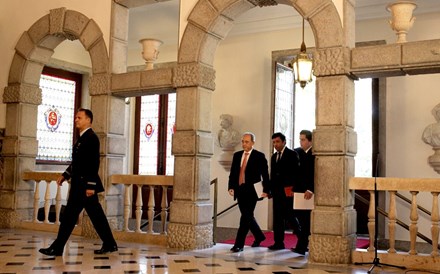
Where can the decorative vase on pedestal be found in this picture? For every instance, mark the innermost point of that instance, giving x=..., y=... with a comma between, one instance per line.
x=150, y=51
x=402, y=19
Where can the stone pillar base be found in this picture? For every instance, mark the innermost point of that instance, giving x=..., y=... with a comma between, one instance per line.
x=87, y=228
x=189, y=237
x=328, y=249
x=9, y=218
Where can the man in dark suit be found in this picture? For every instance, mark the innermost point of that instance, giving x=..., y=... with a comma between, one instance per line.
x=306, y=185
x=283, y=173
x=249, y=166
x=85, y=186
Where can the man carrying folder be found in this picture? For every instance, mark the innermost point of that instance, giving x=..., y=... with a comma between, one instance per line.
x=304, y=186
x=283, y=172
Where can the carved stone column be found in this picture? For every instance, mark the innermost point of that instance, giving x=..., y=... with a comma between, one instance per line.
x=19, y=151
x=108, y=123
x=191, y=211
x=334, y=219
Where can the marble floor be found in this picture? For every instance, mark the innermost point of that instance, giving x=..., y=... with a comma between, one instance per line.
x=19, y=254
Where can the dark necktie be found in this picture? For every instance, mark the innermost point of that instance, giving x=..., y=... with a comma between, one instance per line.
x=278, y=156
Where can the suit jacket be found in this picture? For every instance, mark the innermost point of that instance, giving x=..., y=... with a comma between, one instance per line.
x=256, y=171
x=306, y=179
x=284, y=172
x=85, y=164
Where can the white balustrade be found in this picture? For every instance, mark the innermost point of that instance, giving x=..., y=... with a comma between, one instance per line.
x=152, y=182
x=49, y=178
x=390, y=186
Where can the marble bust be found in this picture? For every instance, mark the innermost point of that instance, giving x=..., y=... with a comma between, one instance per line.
x=227, y=137
x=431, y=136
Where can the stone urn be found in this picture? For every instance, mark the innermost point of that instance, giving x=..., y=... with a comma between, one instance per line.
x=150, y=51
x=401, y=18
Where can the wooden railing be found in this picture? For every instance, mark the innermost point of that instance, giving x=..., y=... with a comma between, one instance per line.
x=411, y=259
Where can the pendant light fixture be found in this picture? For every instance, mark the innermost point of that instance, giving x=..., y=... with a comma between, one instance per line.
x=303, y=64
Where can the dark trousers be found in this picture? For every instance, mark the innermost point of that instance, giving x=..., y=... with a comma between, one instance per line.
x=247, y=220
x=303, y=217
x=93, y=208
x=282, y=213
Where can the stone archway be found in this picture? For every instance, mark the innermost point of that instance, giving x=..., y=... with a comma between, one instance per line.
x=333, y=221
x=23, y=95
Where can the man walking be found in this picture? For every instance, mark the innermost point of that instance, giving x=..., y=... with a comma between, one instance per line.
x=306, y=185
x=284, y=169
x=249, y=166
x=85, y=186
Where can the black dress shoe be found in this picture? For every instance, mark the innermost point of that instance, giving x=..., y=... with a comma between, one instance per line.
x=257, y=243
x=50, y=251
x=276, y=247
x=235, y=249
x=106, y=249
x=299, y=251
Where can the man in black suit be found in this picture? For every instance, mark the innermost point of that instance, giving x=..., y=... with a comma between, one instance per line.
x=284, y=170
x=85, y=186
x=306, y=185
x=249, y=166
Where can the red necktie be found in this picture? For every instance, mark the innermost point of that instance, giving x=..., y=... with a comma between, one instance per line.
x=242, y=169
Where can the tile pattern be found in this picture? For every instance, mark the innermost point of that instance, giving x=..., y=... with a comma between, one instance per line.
x=19, y=254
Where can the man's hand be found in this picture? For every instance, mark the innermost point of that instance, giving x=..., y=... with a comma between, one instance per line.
x=89, y=192
x=231, y=192
x=308, y=195
x=60, y=180
x=264, y=195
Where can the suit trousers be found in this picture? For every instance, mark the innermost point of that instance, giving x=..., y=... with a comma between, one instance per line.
x=303, y=217
x=246, y=204
x=71, y=213
x=282, y=213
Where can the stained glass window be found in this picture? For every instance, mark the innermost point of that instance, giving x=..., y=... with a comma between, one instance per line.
x=55, y=119
x=171, y=128
x=284, y=99
x=148, y=135
x=304, y=109
x=156, y=128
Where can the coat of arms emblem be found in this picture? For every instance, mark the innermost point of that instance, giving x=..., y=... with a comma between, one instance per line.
x=52, y=117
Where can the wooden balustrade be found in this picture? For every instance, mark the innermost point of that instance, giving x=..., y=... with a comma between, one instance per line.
x=411, y=259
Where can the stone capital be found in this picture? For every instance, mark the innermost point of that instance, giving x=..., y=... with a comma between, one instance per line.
x=194, y=74
x=22, y=94
x=99, y=84
x=332, y=61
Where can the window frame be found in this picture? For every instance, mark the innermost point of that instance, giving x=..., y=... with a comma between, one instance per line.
x=78, y=79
